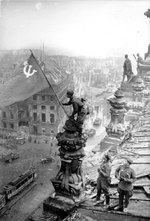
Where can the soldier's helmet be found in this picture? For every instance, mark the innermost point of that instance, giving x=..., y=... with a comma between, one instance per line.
x=70, y=92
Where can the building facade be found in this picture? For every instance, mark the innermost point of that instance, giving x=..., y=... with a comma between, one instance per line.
x=41, y=113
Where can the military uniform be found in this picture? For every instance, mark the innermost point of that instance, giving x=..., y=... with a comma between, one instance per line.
x=139, y=61
x=103, y=181
x=126, y=176
x=80, y=109
x=127, y=69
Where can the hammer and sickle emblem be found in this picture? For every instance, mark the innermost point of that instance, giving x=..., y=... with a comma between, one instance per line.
x=27, y=70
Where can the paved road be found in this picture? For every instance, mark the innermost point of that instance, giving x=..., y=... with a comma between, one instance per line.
x=33, y=198
x=41, y=191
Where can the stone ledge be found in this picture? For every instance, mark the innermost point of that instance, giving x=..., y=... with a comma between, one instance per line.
x=58, y=206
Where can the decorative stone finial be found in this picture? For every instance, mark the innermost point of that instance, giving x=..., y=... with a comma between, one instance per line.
x=118, y=109
x=138, y=85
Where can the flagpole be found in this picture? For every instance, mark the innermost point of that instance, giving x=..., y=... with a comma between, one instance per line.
x=49, y=83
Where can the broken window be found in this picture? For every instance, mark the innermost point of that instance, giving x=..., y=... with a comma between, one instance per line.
x=43, y=117
x=4, y=114
x=52, y=107
x=43, y=98
x=12, y=126
x=51, y=97
x=35, y=116
x=35, y=130
x=35, y=106
x=11, y=115
x=52, y=118
x=43, y=107
x=35, y=97
x=4, y=125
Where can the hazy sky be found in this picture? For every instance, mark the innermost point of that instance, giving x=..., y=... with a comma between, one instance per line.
x=86, y=27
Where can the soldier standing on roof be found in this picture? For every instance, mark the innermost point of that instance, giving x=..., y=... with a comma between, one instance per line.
x=139, y=61
x=104, y=180
x=126, y=177
x=79, y=109
x=127, y=69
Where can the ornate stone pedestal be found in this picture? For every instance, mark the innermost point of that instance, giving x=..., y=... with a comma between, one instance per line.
x=137, y=103
x=116, y=127
x=58, y=206
x=69, y=182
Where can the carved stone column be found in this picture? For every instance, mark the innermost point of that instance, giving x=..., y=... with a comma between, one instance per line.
x=138, y=94
x=69, y=180
x=118, y=109
x=137, y=100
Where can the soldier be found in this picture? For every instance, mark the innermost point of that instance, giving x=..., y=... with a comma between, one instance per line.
x=104, y=180
x=126, y=177
x=127, y=69
x=79, y=109
x=139, y=59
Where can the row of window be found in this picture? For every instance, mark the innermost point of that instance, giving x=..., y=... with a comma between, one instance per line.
x=43, y=107
x=8, y=125
x=43, y=97
x=44, y=130
x=4, y=115
x=35, y=118
x=43, y=117
x=35, y=130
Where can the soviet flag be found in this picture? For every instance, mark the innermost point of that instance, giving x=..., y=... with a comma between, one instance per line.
x=27, y=81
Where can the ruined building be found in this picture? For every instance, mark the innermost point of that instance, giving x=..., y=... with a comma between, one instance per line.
x=41, y=112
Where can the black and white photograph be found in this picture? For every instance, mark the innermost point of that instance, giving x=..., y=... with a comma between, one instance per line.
x=74, y=110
